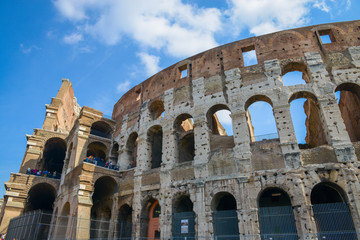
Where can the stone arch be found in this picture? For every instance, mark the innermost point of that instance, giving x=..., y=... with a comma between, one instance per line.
x=124, y=224
x=219, y=137
x=183, y=217
x=289, y=36
x=97, y=150
x=349, y=105
x=185, y=140
x=295, y=67
x=225, y=218
x=149, y=221
x=276, y=217
x=40, y=196
x=331, y=212
x=156, y=109
x=315, y=134
x=62, y=222
x=155, y=140
x=104, y=190
x=53, y=155
x=114, y=154
x=101, y=129
x=257, y=99
x=131, y=150
x=68, y=156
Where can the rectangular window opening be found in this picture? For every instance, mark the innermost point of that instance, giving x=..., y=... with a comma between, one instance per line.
x=183, y=71
x=138, y=92
x=326, y=36
x=249, y=56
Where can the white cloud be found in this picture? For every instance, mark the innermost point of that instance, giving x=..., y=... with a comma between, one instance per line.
x=123, y=87
x=224, y=117
x=73, y=38
x=321, y=5
x=151, y=63
x=28, y=50
x=181, y=29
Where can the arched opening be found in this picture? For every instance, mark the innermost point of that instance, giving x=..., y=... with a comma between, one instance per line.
x=276, y=217
x=69, y=153
x=124, y=227
x=114, y=154
x=149, y=220
x=226, y=223
x=260, y=118
x=96, y=153
x=131, y=148
x=155, y=136
x=183, y=222
x=308, y=122
x=157, y=109
x=295, y=73
x=349, y=103
x=62, y=222
x=184, y=130
x=104, y=190
x=331, y=212
x=41, y=196
x=54, y=155
x=101, y=129
x=220, y=127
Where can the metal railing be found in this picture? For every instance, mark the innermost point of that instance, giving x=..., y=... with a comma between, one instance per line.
x=264, y=137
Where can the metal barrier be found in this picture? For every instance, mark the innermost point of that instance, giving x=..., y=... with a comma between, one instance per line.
x=264, y=137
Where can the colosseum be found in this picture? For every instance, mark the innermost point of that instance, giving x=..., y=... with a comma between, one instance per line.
x=163, y=166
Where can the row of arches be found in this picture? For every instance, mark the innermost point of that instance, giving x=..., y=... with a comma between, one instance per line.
x=330, y=211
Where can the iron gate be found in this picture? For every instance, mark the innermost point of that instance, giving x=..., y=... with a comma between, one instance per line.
x=183, y=225
x=226, y=225
x=334, y=221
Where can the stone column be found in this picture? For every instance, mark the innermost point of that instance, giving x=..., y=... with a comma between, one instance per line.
x=286, y=132
x=202, y=216
x=335, y=130
x=83, y=217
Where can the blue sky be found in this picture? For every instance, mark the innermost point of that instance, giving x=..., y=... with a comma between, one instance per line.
x=105, y=47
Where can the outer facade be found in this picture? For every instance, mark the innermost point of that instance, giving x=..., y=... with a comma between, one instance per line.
x=172, y=151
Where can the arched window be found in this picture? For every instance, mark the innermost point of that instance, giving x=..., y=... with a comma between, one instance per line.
x=183, y=222
x=97, y=150
x=131, y=148
x=41, y=196
x=155, y=140
x=114, y=154
x=54, y=155
x=295, y=73
x=157, y=109
x=260, y=118
x=349, y=103
x=220, y=127
x=184, y=130
x=104, y=190
x=331, y=212
x=124, y=227
x=101, y=129
x=276, y=217
x=226, y=223
x=307, y=121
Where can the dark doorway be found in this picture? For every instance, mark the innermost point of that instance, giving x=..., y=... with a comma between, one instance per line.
x=124, y=227
x=183, y=222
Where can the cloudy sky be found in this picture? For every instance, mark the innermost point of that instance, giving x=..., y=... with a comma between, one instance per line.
x=105, y=47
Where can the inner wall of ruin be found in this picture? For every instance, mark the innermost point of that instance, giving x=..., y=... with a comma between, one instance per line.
x=172, y=150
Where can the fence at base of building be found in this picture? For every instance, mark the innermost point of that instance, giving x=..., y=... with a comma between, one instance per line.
x=38, y=225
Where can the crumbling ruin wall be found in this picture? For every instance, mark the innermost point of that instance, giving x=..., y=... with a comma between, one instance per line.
x=238, y=167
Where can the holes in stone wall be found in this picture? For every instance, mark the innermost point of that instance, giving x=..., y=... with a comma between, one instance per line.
x=349, y=103
x=155, y=136
x=249, y=56
x=184, y=130
x=220, y=126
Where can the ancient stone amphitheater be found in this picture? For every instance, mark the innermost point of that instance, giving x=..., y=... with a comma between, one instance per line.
x=164, y=167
